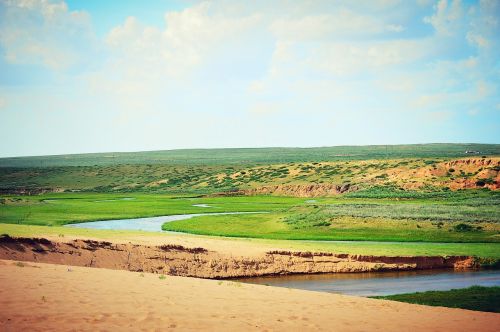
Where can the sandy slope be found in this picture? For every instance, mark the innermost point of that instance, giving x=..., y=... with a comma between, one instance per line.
x=52, y=297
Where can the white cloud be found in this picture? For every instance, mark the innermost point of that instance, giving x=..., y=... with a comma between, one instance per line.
x=477, y=39
x=473, y=112
x=424, y=3
x=192, y=37
x=426, y=101
x=348, y=58
x=265, y=108
x=484, y=89
x=46, y=33
x=436, y=117
x=447, y=18
x=341, y=24
x=395, y=28
x=256, y=87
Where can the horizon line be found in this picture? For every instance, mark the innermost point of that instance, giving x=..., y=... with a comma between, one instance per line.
x=243, y=148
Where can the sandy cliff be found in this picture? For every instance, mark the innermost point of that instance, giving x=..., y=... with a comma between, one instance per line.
x=177, y=260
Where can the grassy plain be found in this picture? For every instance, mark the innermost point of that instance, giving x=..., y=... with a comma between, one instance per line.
x=489, y=251
x=289, y=218
x=274, y=226
x=471, y=216
x=254, y=156
x=207, y=171
x=60, y=209
x=406, y=194
x=473, y=298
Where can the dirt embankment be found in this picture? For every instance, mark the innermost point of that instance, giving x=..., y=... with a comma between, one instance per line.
x=177, y=260
x=467, y=173
x=486, y=173
x=295, y=190
x=29, y=191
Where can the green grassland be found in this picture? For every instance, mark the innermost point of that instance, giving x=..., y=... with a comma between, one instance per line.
x=207, y=171
x=274, y=226
x=466, y=216
x=197, y=179
x=60, y=209
x=254, y=156
x=472, y=298
x=489, y=252
x=402, y=195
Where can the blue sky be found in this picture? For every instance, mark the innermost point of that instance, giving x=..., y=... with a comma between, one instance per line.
x=94, y=76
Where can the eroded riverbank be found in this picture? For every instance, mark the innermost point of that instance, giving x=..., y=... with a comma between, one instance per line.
x=178, y=260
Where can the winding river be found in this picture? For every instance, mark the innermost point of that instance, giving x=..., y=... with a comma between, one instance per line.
x=149, y=224
x=360, y=284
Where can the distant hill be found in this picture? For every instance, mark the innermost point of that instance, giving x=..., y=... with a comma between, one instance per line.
x=280, y=171
x=256, y=156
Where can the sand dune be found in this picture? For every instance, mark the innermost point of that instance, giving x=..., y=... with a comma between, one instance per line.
x=35, y=296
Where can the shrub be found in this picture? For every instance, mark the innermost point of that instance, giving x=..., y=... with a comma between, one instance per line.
x=466, y=228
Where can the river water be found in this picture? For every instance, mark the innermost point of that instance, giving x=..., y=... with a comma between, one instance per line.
x=149, y=224
x=382, y=283
x=360, y=284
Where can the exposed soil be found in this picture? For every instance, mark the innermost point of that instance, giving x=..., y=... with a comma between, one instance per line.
x=29, y=191
x=299, y=180
x=295, y=190
x=467, y=173
x=302, y=190
x=178, y=260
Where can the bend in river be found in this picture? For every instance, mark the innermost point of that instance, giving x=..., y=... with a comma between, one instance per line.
x=148, y=224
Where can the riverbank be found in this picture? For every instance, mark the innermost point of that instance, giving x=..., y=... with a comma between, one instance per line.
x=472, y=298
x=178, y=260
x=39, y=296
x=488, y=252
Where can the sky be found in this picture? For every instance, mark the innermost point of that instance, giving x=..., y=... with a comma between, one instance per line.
x=98, y=76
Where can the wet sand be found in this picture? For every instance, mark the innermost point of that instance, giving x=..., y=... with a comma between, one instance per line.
x=36, y=296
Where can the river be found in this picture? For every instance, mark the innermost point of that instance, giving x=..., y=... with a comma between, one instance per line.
x=360, y=284
x=382, y=283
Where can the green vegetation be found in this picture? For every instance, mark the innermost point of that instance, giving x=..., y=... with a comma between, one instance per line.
x=469, y=217
x=208, y=171
x=279, y=225
x=401, y=194
x=473, y=298
x=488, y=252
x=60, y=209
x=254, y=156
